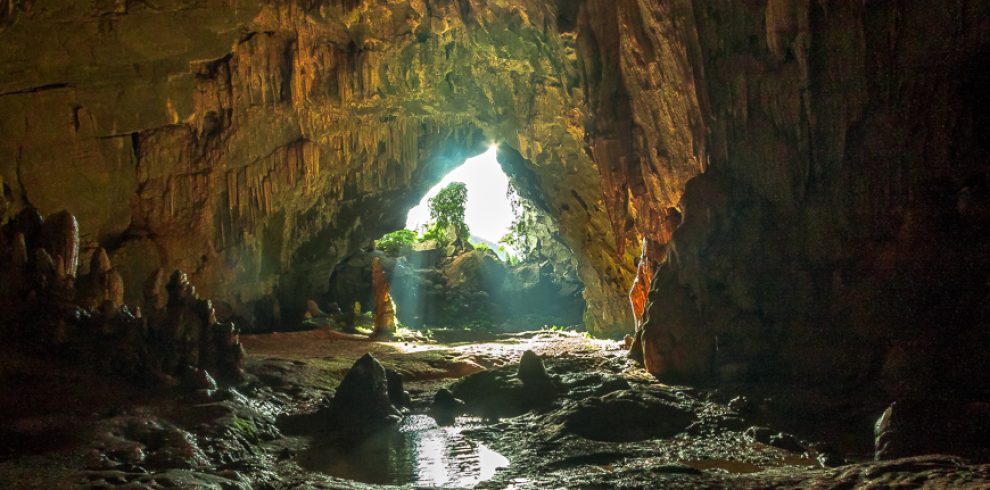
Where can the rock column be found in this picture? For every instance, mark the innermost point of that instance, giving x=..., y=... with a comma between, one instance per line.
x=384, y=314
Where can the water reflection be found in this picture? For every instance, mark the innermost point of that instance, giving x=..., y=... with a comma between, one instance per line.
x=418, y=452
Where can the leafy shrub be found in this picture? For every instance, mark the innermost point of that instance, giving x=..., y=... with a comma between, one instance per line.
x=392, y=243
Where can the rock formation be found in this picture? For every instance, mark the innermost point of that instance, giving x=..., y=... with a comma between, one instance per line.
x=274, y=138
x=361, y=404
x=472, y=288
x=51, y=313
x=384, y=310
x=812, y=174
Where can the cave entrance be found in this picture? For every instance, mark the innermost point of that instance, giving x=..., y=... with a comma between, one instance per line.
x=488, y=208
x=475, y=259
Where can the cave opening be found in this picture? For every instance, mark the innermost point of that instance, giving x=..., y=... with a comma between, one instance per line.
x=474, y=259
x=209, y=277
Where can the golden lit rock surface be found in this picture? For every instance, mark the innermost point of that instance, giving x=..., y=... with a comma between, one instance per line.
x=256, y=143
x=811, y=173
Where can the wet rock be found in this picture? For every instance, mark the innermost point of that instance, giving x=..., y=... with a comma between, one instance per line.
x=150, y=442
x=396, y=392
x=623, y=416
x=532, y=370
x=446, y=407
x=830, y=459
x=740, y=404
x=361, y=403
x=508, y=391
x=759, y=434
x=585, y=384
x=198, y=379
x=201, y=396
x=676, y=469
x=730, y=422
x=786, y=442
x=912, y=427
x=493, y=394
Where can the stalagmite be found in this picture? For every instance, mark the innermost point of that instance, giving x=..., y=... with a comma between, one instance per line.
x=100, y=262
x=384, y=314
x=638, y=297
x=102, y=284
x=60, y=236
x=20, y=253
x=155, y=297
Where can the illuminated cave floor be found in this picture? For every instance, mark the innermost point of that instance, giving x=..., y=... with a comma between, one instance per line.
x=63, y=428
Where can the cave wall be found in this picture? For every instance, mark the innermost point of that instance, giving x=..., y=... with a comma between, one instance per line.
x=811, y=177
x=837, y=232
x=255, y=143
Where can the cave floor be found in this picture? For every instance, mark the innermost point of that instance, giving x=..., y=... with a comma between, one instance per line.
x=67, y=428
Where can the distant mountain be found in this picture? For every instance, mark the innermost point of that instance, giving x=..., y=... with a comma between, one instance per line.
x=477, y=240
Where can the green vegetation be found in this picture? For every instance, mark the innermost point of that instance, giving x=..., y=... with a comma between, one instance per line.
x=510, y=258
x=447, y=211
x=392, y=243
x=516, y=238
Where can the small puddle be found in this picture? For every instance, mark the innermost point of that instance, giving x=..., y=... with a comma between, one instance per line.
x=419, y=452
x=742, y=467
x=724, y=465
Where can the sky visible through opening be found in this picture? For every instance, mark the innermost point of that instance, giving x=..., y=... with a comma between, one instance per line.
x=487, y=212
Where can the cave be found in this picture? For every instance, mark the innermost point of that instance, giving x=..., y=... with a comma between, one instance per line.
x=496, y=264
x=763, y=224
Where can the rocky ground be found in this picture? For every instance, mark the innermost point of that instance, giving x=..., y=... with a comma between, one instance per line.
x=571, y=414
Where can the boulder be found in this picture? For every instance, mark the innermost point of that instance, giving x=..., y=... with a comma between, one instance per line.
x=361, y=404
x=446, y=407
x=475, y=271
x=532, y=370
x=759, y=434
x=507, y=392
x=396, y=392
x=912, y=427
x=622, y=416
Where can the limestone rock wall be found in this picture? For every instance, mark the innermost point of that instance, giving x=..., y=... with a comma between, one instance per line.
x=255, y=143
x=836, y=235
x=810, y=176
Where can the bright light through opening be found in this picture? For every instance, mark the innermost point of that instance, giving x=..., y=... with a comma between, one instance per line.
x=487, y=211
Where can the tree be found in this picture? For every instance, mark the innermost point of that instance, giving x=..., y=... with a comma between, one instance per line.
x=447, y=210
x=392, y=243
x=517, y=238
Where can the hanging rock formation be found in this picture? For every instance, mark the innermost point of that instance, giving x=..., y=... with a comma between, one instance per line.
x=256, y=145
x=810, y=176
